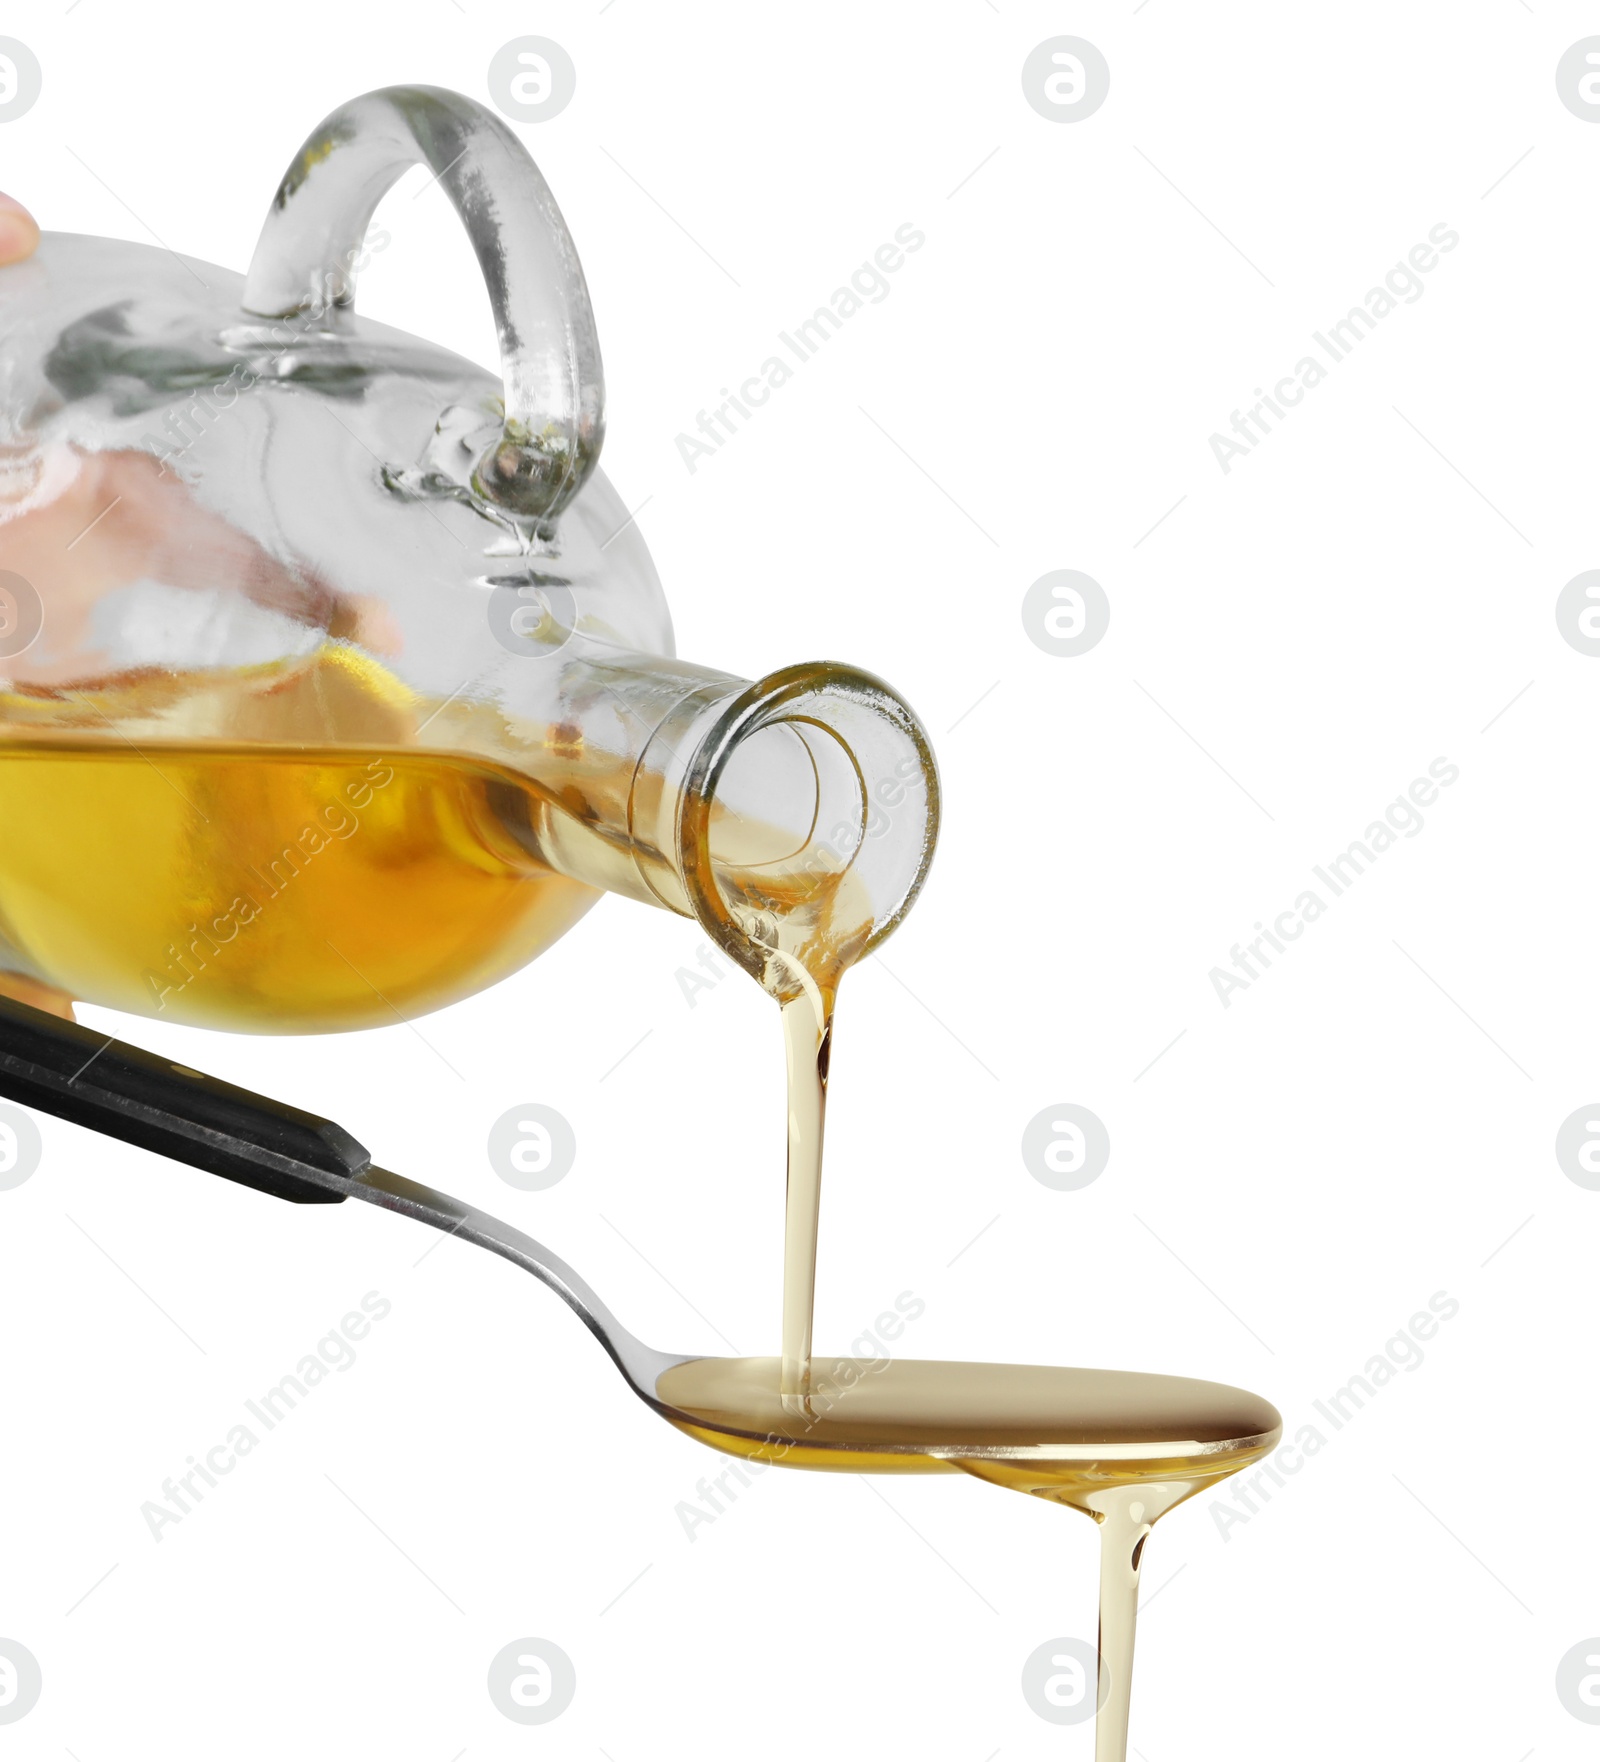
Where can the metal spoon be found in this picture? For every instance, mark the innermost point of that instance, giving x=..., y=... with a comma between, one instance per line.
x=1120, y=1446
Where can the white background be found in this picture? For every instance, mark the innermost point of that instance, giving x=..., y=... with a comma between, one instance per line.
x=1289, y=647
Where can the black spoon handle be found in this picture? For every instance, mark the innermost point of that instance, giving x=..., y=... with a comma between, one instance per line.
x=96, y=1081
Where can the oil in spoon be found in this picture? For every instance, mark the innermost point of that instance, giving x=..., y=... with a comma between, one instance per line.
x=1122, y=1447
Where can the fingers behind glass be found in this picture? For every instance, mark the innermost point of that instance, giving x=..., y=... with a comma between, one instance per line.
x=19, y=232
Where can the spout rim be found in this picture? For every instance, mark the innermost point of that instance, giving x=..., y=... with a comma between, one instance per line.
x=761, y=705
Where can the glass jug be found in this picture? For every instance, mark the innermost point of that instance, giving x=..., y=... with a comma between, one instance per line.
x=335, y=680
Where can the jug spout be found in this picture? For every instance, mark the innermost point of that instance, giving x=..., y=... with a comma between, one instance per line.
x=794, y=816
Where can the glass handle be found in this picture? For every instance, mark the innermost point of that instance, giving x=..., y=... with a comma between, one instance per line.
x=549, y=349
